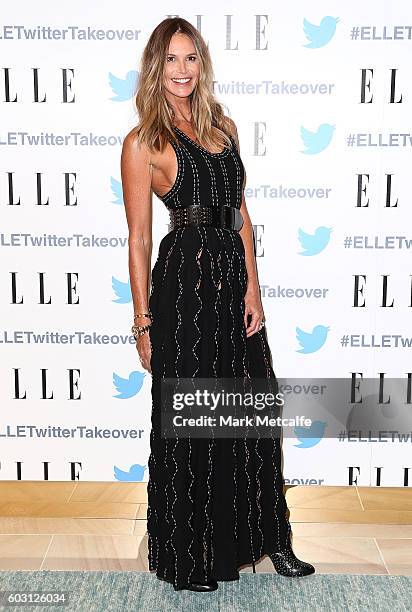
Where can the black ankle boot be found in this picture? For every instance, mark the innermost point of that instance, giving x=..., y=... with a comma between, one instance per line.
x=203, y=587
x=287, y=564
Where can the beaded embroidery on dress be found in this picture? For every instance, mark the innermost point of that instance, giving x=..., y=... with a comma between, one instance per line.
x=213, y=504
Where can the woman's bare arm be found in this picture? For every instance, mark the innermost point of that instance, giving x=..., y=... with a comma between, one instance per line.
x=252, y=299
x=137, y=195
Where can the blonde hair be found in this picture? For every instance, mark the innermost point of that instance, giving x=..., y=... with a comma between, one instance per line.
x=156, y=114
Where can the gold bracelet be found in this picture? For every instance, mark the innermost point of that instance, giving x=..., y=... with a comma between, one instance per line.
x=139, y=330
x=142, y=314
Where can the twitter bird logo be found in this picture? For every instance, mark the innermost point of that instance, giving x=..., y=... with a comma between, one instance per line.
x=128, y=387
x=314, y=243
x=310, y=436
x=311, y=342
x=315, y=142
x=117, y=191
x=320, y=35
x=122, y=290
x=135, y=474
x=123, y=88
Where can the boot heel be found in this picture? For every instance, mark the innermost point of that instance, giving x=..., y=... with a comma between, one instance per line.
x=287, y=564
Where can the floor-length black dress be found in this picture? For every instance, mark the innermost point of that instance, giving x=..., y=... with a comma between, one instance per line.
x=213, y=504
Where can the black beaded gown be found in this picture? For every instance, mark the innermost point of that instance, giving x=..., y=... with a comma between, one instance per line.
x=213, y=504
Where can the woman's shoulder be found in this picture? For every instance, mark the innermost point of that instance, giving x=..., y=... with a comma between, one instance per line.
x=230, y=123
x=133, y=147
x=232, y=129
x=132, y=141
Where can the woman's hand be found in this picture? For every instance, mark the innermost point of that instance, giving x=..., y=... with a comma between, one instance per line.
x=253, y=306
x=144, y=348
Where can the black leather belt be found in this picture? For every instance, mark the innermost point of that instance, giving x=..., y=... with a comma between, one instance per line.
x=227, y=217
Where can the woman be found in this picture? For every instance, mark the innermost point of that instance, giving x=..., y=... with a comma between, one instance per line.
x=213, y=504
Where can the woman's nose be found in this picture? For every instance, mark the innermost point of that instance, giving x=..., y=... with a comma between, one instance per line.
x=181, y=67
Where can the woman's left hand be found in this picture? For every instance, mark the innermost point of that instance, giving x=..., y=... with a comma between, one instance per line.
x=253, y=307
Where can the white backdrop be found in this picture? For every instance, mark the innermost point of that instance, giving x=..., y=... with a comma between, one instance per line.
x=294, y=89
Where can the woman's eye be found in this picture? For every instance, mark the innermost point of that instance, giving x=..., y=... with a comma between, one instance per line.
x=191, y=57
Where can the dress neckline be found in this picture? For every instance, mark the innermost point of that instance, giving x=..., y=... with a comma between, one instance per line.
x=218, y=154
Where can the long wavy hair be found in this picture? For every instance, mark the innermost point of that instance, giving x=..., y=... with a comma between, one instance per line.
x=155, y=112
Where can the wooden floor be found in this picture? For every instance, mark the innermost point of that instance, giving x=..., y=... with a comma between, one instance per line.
x=102, y=526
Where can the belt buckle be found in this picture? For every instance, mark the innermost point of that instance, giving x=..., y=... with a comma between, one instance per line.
x=238, y=220
x=232, y=218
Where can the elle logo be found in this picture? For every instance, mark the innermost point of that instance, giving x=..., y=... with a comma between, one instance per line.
x=63, y=83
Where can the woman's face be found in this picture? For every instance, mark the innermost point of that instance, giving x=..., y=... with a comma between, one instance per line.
x=181, y=66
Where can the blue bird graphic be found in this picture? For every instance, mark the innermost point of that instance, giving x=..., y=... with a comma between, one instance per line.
x=315, y=142
x=123, y=89
x=310, y=436
x=122, y=290
x=117, y=191
x=135, y=473
x=313, y=341
x=314, y=243
x=319, y=35
x=128, y=387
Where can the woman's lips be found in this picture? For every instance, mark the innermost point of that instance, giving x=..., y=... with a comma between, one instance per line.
x=183, y=82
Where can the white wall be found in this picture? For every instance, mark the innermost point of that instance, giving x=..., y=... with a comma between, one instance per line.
x=328, y=91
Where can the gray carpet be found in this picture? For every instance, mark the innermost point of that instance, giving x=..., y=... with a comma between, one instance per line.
x=129, y=591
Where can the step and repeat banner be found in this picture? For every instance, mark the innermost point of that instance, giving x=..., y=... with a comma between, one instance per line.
x=321, y=95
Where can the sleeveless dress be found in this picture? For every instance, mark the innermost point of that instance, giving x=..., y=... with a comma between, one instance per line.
x=214, y=504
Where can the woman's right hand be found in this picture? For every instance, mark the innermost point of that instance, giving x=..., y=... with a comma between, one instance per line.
x=144, y=348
